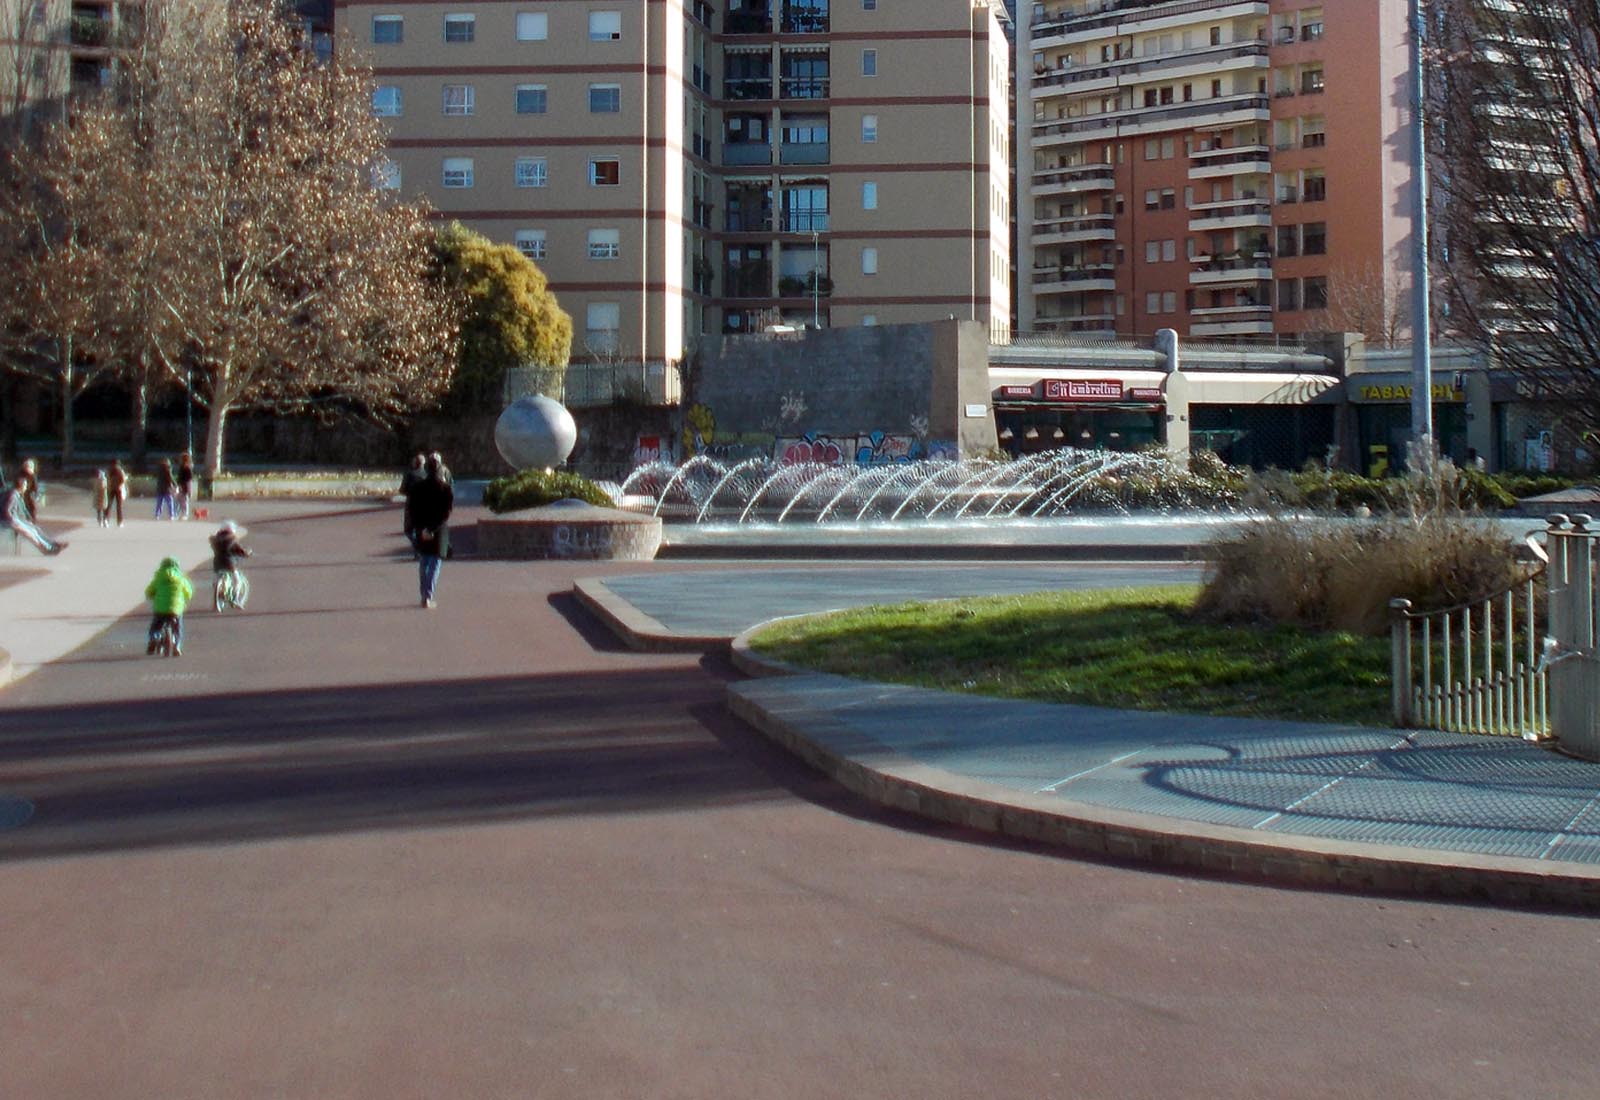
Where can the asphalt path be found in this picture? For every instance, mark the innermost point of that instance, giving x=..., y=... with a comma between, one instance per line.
x=347, y=847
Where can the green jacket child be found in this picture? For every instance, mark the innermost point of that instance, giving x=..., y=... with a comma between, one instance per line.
x=169, y=592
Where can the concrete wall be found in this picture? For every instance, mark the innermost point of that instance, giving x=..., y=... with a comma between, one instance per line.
x=871, y=394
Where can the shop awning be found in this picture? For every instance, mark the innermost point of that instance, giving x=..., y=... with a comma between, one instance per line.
x=1244, y=387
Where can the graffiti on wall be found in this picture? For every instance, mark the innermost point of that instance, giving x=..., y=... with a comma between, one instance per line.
x=869, y=449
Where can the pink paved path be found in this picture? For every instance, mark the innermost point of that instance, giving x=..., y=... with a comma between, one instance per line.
x=348, y=848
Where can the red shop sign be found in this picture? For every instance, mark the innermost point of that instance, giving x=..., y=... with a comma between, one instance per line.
x=1082, y=389
x=1016, y=391
x=1145, y=393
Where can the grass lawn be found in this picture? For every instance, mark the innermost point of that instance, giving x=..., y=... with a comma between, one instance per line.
x=1136, y=648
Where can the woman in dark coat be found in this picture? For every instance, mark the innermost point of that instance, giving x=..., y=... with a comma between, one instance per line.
x=431, y=502
x=413, y=477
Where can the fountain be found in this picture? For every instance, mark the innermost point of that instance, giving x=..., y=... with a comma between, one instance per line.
x=1061, y=503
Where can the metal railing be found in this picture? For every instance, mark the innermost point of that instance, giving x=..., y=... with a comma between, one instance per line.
x=1569, y=651
x=1474, y=668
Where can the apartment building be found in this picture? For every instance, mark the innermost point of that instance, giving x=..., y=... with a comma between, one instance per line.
x=683, y=169
x=50, y=49
x=1223, y=168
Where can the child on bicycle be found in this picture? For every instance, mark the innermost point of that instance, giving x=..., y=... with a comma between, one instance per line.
x=227, y=547
x=169, y=592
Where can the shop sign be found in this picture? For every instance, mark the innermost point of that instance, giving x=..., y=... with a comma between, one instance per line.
x=1145, y=393
x=1016, y=391
x=1442, y=391
x=1082, y=389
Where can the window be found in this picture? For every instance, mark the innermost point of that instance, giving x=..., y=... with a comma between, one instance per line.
x=1169, y=301
x=869, y=5
x=532, y=26
x=605, y=26
x=1152, y=251
x=605, y=244
x=1169, y=198
x=605, y=99
x=1152, y=148
x=458, y=171
x=388, y=30
x=1152, y=199
x=605, y=172
x=1316, y=292
x=1316, y=239
x=532, y=172
x=386, y=176
x=530, y=242
x=1311, y=81
x=1169, y=250
x=868, y=320
x=532, y=99
x=459, y=99
x=1167, y=148
x=869, y=128
x=1288, y=295
x=1152, y=302
x=386, y=101
x=460, y=28
x=869, y=62
x=869, y=196
x=1316, y=188
x=1288, y=240
x=869, y=261
x=1216, y=36
x=602, y=326
x=1216, y=89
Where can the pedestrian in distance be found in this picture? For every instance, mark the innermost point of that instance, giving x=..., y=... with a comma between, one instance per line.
x=14, y=514
x=117, y=487
x=102, y=499
x=166, y=490
x=414, y=476
x=30, y=496
x=431, y=504
x=185, y=482
x=169, y=593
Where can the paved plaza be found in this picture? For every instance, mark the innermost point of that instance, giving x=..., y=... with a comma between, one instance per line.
x=346, y=847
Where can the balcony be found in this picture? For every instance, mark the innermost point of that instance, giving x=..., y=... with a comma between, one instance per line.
x=816, y=284
x=1204, y=61
x=1074, y=280
x=803, y=152
x=1071, y=230
x=1231, y=270
x=1240, y=160
x=89, y=31
x=748, y=280
x=754, y=20
x=738, y=153
x=804, y=221
x=1221, y=112
x=1076, y=179
x=1238, y=214
x=804, y=18
x=804, y=87
x=1060, y=30
x=747, y=87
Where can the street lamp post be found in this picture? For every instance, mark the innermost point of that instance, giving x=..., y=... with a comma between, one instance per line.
x=1421, y=325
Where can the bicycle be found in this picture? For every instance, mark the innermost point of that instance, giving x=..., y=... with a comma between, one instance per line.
x=231, y=589
x=166, y=641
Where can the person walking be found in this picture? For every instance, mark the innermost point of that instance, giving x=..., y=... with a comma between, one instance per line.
x=414, y=476
x=14, y=515
x=102, y=499
x=431, y=503
x=166, y=487
x=185, y=482
x=116, y=488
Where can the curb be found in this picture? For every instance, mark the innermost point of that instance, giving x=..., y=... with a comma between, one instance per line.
x=638, y=630
x=1122, y=554
x=900, y=783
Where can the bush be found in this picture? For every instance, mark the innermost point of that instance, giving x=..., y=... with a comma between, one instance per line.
x=1532, y=485
x=533, y=488
x=1340, y=574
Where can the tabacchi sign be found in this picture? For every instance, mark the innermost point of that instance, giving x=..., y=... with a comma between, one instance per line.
x=1082, y=389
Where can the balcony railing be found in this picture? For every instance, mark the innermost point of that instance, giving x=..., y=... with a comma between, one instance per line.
x=747, y=87
x=1162, y=114
x=804, y=221
x=748, y=21
x=805, y=87
x=803, y=152
x=1047, y=25
x=746, y=152
x=1211, y=56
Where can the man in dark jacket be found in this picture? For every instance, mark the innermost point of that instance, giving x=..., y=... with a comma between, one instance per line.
x=431, y=503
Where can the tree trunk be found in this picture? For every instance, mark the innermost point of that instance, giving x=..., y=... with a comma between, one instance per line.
x=65, y=348
x=216, y=421
x=8, y=416
x=139, y=443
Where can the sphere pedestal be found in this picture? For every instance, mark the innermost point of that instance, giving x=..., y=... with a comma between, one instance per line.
x=571, y=530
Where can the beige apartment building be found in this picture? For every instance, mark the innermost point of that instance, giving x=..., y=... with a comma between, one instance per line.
x=1223, y=168
x=681, y=169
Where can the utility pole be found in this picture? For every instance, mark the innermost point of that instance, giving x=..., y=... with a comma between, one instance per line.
x=1421, y=452
x=816, y=279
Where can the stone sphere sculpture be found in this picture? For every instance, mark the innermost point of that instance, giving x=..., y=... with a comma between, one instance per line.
x=535, y=432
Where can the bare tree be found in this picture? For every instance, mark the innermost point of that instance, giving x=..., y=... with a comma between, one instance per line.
x=1516, y=128
x=1370, y=299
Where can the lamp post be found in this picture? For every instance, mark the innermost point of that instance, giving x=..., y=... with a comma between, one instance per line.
x=816, y=279
x=1421, y=325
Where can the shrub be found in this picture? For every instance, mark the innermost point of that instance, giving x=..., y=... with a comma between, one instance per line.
x=533, y=488
x=1340, y=574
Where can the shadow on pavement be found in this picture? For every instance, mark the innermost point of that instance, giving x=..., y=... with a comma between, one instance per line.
x=281, y=764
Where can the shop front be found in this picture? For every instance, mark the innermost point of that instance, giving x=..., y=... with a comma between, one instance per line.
x=1091, y=411
x=1382, y=405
